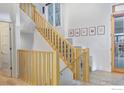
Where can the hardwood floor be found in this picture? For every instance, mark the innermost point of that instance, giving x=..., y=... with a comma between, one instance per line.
x=4, y=80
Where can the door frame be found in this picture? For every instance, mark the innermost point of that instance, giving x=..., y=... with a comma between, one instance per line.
x=113, y=39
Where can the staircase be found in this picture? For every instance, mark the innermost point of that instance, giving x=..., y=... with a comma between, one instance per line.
x=67, y=52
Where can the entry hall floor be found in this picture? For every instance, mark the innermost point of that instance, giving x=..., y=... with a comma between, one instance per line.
x=99, y=78
x=10, y=81
x=105, y=78
x=96, y=78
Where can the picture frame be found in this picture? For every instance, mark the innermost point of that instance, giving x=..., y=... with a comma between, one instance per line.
x=77, y=32
x=92, y=31
x=101, y=30
x=83, y=31
x=71, y=32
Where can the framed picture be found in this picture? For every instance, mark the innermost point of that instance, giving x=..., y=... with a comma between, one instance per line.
x=92, y=31
x=100, y=30
x=77, y=32
x=83, y=31
x=71, y=32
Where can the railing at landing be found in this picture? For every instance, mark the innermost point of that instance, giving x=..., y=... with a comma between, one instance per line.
x=38, y=68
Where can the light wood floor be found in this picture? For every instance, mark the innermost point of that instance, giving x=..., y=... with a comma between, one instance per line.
x=4, y=80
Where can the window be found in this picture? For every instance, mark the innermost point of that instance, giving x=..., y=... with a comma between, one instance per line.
x=57, y=14
x=54, y=14
x=50, y=13
x=119, y=28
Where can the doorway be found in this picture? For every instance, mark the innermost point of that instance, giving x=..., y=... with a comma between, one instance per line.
x=5, y=50
x=118, y=41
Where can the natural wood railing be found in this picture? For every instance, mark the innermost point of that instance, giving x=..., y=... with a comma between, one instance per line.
x=38, y=68
x=67, y=52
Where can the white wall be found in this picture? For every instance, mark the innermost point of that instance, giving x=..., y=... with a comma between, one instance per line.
x=27, y=41
x=40, y=43
x=88, y=15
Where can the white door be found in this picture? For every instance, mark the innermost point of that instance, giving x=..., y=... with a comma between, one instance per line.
x=5, y=49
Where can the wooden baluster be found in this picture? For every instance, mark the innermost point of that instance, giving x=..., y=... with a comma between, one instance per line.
x=36, y=67
x=43, y=29
x=33, y=12
x=26, y=66
x=38, y=24
x=25, y=7
x=36, y=20
x=45, y=66
x=31, y=57
x=46, y=30
x=52, y=38
x=23, y=65
x=20, y=64
x=48, y=69
x=43, y=70
x=72, y=58
x=57, y=40
x=71, y=54
x=66, y=53
x=29, y=67
x=39, y=69
x=42, y=61
x=41, y=22
x=51, y=68
x=86, y=75
x=55, y=72
x=21, y=6
x=33, y=68
x=35, y=17
x=60, y=45
x=48, y=33
x=40, y=29
x=63, y=48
